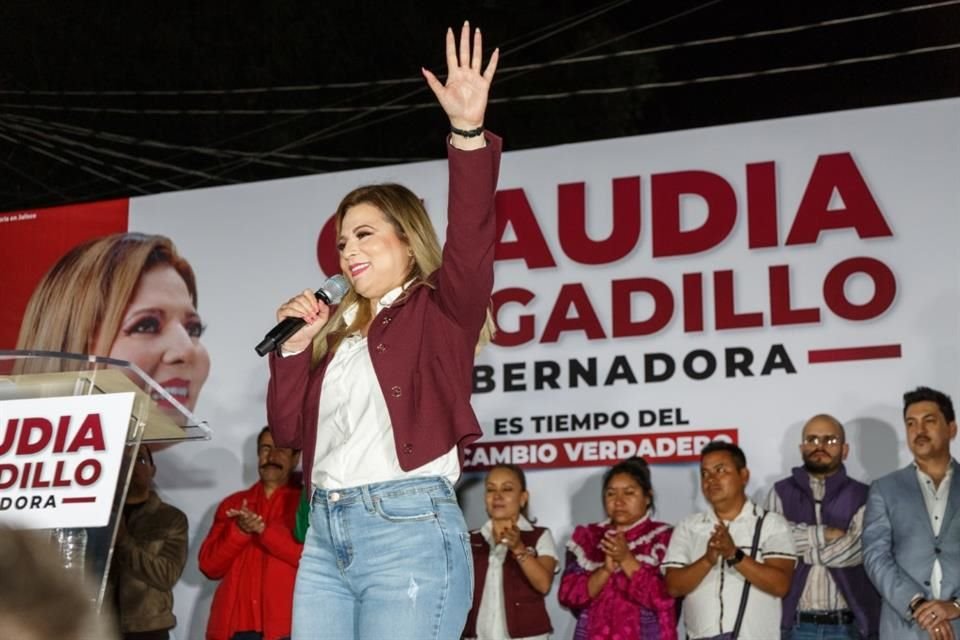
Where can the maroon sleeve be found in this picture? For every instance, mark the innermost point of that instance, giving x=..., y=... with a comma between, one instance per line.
x=465, y=277
x=289, y=380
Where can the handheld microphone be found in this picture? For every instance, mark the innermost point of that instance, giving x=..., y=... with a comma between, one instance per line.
x=330, y=292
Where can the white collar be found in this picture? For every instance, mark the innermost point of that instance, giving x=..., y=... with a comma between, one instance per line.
x=748, y=509
x=350, y=313
x=947, y=477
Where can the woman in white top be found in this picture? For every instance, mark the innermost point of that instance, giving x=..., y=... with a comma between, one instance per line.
x=514, y=564
x=376, y=392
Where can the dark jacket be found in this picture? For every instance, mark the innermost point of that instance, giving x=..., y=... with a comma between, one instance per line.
x=147, y=562
x=423, y=345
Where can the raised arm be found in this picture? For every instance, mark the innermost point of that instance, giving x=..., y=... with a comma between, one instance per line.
x=465, y=277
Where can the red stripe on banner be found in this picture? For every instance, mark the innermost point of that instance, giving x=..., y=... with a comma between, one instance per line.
x=559, y=453
x=31, y=241
x=819, y=356
x=84, y=499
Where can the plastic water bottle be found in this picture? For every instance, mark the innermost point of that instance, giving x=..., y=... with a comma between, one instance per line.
x=73, y=549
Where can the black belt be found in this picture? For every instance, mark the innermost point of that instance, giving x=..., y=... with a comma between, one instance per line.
x=844, y=616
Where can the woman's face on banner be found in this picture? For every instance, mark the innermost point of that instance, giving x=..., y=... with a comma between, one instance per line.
x=160, y=333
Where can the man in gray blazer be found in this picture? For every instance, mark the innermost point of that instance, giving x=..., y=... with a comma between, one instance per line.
x=911, y=534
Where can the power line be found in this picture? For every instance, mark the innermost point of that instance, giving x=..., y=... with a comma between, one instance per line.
x=12, y=138
x=341, y=129
x=407, y=107
x=416, y=79
x=526, y=68
x=729, y=76
x=38, y=138
x=551, y=29
x=28, y=176
x=68, y=129
x=528, y=40
x=117, y=154
x=403, y=109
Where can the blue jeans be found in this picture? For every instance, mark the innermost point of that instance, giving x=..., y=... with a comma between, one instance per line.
x=386, y=560
x=811, y=631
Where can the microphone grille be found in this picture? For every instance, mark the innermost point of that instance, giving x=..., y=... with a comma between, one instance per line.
x=336, y=287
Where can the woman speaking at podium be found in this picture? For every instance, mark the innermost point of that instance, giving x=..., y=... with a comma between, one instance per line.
x=376, y=391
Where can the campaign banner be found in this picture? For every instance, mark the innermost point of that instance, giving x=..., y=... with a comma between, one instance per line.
x=650, y=292
x=60, y=459
x=32, y=240
x=586, y=451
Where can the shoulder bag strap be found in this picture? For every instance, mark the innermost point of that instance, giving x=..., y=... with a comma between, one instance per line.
x=746, y=584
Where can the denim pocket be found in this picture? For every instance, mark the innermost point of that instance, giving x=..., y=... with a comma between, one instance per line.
x=405, y=508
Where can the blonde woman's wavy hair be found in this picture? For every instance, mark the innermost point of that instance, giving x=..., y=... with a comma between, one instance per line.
x=79, y=304
x=412, y=223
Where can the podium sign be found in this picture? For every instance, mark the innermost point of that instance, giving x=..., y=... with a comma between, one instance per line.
x=60, y=459
x=70, y=427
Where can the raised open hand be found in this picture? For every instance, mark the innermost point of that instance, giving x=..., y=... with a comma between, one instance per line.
x=464, y=96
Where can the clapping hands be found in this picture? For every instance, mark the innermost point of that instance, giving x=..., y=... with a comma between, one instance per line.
x=248, y=521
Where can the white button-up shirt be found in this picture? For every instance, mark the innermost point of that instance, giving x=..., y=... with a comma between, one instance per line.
x=711, y=608
x=935, y=498
x=355, y=444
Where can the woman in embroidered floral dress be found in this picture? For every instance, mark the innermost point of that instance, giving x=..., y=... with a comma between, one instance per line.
x=612, y=580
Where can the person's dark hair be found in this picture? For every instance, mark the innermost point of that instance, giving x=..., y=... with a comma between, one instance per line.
x=266, y=429
x=638, y=469
x=739, y=458
x=926, y=394
x=522, y=477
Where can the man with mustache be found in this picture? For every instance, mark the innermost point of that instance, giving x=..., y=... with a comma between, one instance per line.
x=251, y=549
x=830, y=592
x=911, y=534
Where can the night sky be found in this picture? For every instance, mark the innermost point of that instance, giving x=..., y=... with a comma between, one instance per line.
x=102, y=100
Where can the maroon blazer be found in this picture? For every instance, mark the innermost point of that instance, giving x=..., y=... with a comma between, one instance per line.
x=422, y=346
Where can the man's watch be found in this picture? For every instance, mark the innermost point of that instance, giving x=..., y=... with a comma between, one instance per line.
x=737, y=557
